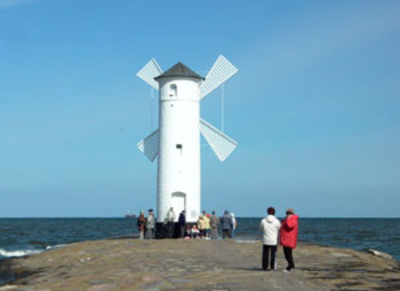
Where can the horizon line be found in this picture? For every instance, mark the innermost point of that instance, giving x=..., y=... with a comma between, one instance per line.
x=255, y=217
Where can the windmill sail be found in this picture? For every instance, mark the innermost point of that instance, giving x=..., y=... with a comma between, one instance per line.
x=150, y=145
x=221, y=144
x=149, y=72
x=220, y=72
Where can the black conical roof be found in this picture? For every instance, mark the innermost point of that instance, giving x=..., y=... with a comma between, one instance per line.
x=179, y=70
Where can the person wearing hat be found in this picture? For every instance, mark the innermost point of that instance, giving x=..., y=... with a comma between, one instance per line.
x=288, y=236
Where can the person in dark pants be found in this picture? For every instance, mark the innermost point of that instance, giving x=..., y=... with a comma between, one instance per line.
x=269, y=227
x=182, y=223
x=226, y=225
x=288, y=236
x=288, y=252
x=141, y=223
x=170, y=222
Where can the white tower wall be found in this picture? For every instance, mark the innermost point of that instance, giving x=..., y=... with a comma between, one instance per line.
x=179, y=152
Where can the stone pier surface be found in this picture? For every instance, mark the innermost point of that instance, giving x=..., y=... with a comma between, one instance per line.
x=131, y=264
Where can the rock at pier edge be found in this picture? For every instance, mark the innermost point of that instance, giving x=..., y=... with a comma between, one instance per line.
x=129, y=264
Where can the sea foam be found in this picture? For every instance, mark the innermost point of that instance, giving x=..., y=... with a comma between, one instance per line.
x=27, y=252
x=19, y=253
x=48, y=248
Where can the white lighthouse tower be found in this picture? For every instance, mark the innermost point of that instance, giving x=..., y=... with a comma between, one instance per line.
x=177, y=140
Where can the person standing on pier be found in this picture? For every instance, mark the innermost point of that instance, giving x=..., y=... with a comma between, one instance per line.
x=288, y=236
x=214, y=225
x=141, y=224
x=226, y=224
x=182, y=223
x=234, y=224
x=270, y=229
x=150, y=225
x=207, y=222
x=170, y=220
x=201, y=225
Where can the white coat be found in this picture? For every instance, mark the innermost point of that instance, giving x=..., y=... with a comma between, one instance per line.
x=270, y=226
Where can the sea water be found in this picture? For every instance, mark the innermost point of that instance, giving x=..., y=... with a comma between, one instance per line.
x=25, y=236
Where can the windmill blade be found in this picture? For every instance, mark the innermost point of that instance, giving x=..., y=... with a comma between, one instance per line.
x=220, y=72
x=149, y=72
x=221, y=144
x=150, y=145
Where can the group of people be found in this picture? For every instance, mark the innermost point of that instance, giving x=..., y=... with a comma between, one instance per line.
x=146, y=225
x=207, y=226
x=285, y=233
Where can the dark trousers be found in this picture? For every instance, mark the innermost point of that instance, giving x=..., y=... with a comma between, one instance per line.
x=226, y=233
x=289, y=257
x=265, y=257
x=170, y=229
x=182, y=231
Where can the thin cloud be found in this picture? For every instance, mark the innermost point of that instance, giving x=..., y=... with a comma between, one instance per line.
x=296, y=48
x=6, y=4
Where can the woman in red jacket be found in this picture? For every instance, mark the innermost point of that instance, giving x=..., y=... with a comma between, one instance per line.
x=141, y=223
x=288, y=236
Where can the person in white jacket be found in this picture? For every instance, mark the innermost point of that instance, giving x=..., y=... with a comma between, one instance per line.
x=270, y=226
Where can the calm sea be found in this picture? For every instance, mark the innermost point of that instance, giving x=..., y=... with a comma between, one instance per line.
x=20, y=237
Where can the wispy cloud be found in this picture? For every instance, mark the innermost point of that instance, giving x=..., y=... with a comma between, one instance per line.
x=6, y=4
x=305, y=43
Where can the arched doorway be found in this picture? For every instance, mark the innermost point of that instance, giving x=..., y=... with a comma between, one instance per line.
x=178, y=202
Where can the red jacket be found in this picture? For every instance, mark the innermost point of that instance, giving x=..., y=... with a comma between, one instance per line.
x=289, y=230
x=141, y=223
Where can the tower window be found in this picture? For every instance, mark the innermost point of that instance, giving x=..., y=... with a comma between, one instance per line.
x=179, y=146
x=173, y=90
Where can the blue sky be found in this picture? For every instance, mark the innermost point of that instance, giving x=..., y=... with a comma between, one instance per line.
x=315, y=105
